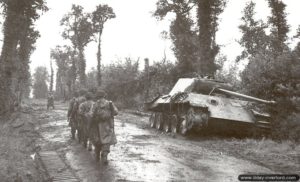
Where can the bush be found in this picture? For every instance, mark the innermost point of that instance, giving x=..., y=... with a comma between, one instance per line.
x=287, y=127
x=270, y=77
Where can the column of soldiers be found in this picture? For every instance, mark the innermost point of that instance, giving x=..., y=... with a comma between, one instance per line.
x=92, y=117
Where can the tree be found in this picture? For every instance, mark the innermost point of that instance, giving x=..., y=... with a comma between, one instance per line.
x=207, y=15
x=65, y=75
x=92, y=80
x=51, y=77
x=79, y=30
x=19, y=39
x=99, y=17
x=279, y=26
x=183, y=38
x=122, y=75
x=254, y=38
x=40, y=78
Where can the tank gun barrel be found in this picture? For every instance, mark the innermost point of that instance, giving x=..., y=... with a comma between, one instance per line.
x=247, y=97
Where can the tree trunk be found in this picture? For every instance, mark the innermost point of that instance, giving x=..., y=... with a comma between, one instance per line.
x=8, y=57
x=99, y=75
x=51, y=76
x=82, y=65
x=206, y=64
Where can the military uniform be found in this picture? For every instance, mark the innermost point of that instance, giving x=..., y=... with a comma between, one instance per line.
x=84, y=111
x=79, y=118
x=72, y=116
x=102, y=127
x=50, y=101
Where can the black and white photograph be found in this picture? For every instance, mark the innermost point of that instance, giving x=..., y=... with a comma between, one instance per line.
x=149, y=90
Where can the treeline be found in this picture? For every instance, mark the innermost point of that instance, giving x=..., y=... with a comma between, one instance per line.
x=272, y=71
x=19, y=37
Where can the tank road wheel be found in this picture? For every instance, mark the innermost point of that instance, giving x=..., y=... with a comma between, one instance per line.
x=166, y=125
x=152, y=120
x=159, y=121
x=183, y=127
x=174, y=123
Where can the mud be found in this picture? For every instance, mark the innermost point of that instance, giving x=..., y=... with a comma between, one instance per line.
x=141, y=154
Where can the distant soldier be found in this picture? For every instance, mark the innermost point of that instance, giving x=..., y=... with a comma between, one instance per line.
x=102, y=126
x=72, y=115
x=84, y=111
x=50, y=100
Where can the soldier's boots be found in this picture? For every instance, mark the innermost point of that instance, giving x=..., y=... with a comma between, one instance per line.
x=89, y=146
x=79, y=135
x=73, y=133
x=97, y=153
x=104, y=158
x=84, y=143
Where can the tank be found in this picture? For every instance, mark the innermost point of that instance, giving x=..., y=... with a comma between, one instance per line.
x=208, y=105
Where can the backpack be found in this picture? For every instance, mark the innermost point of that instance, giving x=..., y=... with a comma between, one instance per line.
x=103, y=111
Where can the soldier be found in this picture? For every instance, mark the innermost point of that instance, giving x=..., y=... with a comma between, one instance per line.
x=50, y=100
x=72, y=114
x=84, y=109
x=79, y=118
x=102, y=126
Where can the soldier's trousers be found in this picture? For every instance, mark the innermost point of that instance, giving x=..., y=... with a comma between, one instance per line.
x=73, y=124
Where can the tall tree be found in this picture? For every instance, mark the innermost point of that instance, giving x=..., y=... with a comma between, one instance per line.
x=79, y=30
x=279, y=26
x=19, y=38
x=254, y=38
x=40, y=78
x=99, y=17
x=65, y=75
x=51, y=77
x=207, y=13
x=183, y=38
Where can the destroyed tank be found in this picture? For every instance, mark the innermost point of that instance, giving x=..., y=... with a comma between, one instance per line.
x=208, y=105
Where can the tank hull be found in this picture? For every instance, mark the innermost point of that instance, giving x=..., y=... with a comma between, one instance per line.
x=198, y=111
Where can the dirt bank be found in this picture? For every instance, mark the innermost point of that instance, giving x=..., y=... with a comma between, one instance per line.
x=18, y=159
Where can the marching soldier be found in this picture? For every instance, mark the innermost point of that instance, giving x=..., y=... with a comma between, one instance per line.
x=84, y=109
x=72, y=115
x=79, y=118
x=50, y=100
x=102, y=126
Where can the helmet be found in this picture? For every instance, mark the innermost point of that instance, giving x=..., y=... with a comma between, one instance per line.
x=100, y=94
x=82, y=92
x=89, y=95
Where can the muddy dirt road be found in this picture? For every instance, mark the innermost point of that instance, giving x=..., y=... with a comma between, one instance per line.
x=141, y=154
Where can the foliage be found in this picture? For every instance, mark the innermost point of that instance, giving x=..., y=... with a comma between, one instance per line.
x=207, y=15
x=78, y=29
x=183, y=38
x=129, y=87
x=228, y=74
x=162, y=77
x=279, y=27
x=18, y=43
x=51, y=77
x=40, y=78
x=99, y=17
x=121, y=81
x=273, y=69
x=66, y=73
x=277, y=78
x=254, y=38
x=92, y=80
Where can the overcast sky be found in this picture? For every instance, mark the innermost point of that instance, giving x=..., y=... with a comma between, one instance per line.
x=136, y=33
